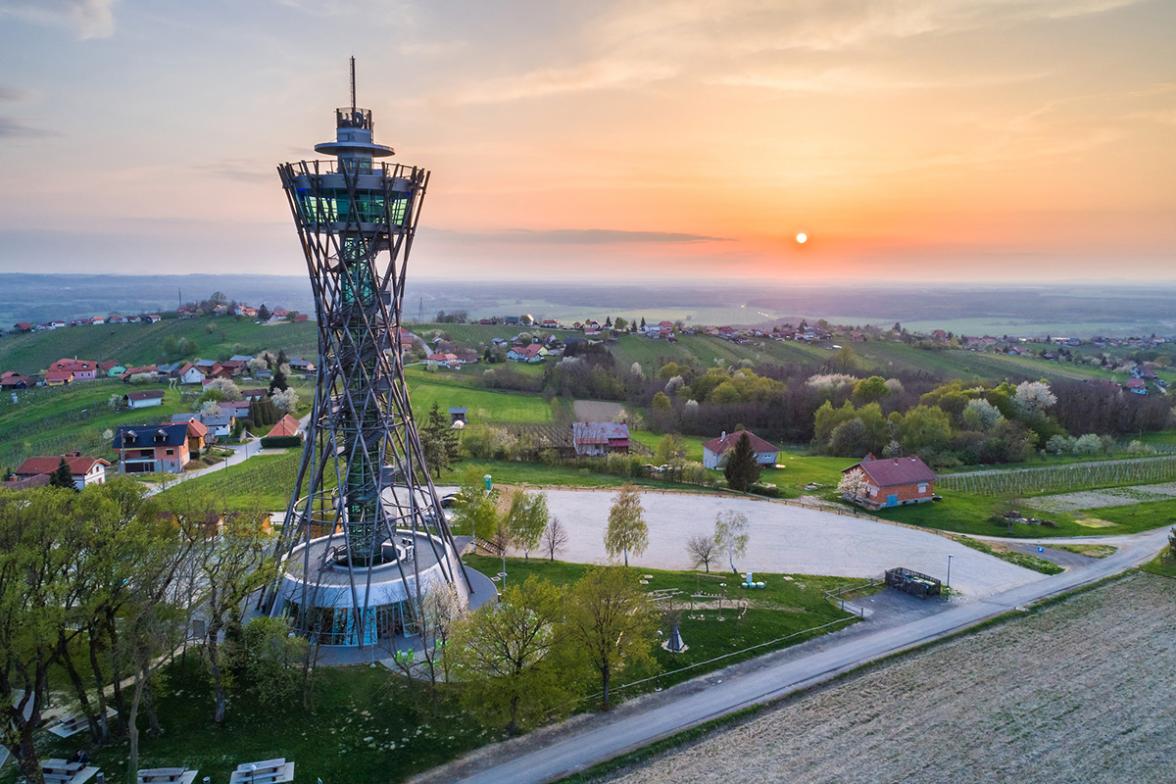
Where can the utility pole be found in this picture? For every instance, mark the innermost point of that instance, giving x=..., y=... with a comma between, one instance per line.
x=949, y=572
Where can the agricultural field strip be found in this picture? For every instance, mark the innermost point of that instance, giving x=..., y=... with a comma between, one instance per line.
x=1099, y=499
x=1071, y=476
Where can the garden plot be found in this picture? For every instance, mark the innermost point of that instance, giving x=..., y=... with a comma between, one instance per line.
x=1078, y=692
x=1100, y=499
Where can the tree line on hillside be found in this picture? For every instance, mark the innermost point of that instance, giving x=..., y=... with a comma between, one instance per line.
x=842, y=412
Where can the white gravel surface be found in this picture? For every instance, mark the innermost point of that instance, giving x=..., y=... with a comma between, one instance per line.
x=784, y=538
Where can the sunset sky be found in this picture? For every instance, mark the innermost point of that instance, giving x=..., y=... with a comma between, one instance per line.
x=913, y=140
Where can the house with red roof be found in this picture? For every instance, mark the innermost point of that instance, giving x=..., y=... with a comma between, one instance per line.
x=286, y=427
x=593, y=439
x=84, y=470
x=890, y=481
x=10, y=379
x=58, y=378
x=531, y=354
x=82, y=369
x=715, y=450
x=23, y=327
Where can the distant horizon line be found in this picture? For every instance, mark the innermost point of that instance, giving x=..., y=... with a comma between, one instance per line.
x=661, y=282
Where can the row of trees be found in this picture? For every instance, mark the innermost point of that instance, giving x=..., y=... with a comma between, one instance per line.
x=98, y=588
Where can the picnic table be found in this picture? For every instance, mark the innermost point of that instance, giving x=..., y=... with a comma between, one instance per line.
x=274, y=771
x=59, y=771
x=72, y=725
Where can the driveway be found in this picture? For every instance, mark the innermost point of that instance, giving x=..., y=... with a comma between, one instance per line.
x=784, y=538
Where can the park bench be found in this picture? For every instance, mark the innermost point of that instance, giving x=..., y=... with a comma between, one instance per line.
x=59, y=771
x=166, y=776
x=72, y=725
x=273, y=771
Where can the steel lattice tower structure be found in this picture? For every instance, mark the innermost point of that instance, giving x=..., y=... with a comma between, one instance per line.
x=364, y=536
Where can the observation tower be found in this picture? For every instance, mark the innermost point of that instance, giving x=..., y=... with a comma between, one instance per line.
x=365, y=537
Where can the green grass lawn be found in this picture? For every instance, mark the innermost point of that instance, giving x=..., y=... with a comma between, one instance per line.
x=1135, y=517
x=368, y=726
x=141, y=344
x=1163, y=564
x=784, y=607
x=485, y=405
x=1012, y=556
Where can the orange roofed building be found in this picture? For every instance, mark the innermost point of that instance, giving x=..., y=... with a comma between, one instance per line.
x=890, y=481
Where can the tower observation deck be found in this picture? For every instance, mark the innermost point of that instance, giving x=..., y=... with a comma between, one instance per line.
x=365, y=537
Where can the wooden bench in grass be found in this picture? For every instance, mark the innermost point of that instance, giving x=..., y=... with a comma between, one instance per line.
x=275, y=771
x=166, y=776
x=72, y=725
x=59, y=771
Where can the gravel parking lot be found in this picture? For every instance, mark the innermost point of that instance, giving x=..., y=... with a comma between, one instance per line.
x=1078, y=692
x=784, y=538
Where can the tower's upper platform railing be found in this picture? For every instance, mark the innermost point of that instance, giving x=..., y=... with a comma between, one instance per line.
x=350, y=117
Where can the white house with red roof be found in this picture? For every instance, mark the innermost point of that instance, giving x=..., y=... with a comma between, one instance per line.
x=713, y=451
x=84, y=470
x=531, y=354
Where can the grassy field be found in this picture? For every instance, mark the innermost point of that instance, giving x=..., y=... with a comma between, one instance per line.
x=716, y=624
x=141, y=344
x=60, y=419
x=485, y=405
x=1137, y=517
x=368, y=725
x=1163, y=564
x=1012, y=556
x=265, y=480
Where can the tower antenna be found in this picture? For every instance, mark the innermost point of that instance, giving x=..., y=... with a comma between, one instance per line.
x=353, y=83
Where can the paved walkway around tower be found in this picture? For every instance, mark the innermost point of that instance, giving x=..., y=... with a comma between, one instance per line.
x=785, y=538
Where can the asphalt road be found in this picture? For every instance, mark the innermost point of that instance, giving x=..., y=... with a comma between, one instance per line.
x=627, y=731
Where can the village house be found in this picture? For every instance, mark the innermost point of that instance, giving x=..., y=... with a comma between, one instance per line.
x=58, y=378
x=144, y=449
x=220, y=423
x=148, y=398
x=288, y=426
x=889, y=481
x=715, y=450
x=531, y=354
x=10, y=379
x=140, y=370
x=82, y=369
x=83, y=470
x=593, y=439
x=443, y=360
x=197, y=433
x=190, y=374
x=151, y=318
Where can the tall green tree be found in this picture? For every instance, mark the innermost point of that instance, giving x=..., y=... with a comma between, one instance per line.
x=627, y=531
x=612, y=623
x=742, y=470
x=61, y=476
x=508, y=656
x=526, y=520
x=440, y=442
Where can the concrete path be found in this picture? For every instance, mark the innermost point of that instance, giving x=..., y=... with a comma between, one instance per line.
x=604, y=738
x=784, y=538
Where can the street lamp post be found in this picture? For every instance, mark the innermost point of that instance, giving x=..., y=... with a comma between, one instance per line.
x=949, y=572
